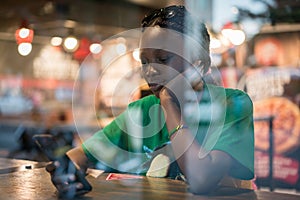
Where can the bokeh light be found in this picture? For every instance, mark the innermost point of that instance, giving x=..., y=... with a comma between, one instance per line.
x=24, y=49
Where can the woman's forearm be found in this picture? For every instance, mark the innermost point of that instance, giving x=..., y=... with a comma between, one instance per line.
x=203, y=174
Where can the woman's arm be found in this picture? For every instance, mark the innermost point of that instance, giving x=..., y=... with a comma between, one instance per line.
x=202, y=174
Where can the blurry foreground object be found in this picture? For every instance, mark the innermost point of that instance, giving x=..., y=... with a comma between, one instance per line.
x=67, y=178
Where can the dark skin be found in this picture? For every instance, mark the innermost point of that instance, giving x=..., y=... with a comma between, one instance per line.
x=163, y=68
x=203, y=174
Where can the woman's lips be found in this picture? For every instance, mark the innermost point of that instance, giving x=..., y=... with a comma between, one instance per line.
x=155, y=87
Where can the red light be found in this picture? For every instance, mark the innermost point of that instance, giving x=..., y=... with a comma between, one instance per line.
x=24, y=35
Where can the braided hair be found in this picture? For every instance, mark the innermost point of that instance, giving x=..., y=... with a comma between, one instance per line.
x=177, y=18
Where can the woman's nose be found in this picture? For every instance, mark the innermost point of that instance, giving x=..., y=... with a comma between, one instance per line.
x=149, y=70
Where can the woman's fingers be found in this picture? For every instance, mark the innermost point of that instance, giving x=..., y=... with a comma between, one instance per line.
x=70, y=190
x=197, y=85
x=63, y=179
x=67, y=185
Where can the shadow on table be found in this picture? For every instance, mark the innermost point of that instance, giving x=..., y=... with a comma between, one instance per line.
x=229, y=191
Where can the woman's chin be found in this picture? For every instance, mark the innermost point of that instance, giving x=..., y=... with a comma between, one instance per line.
x=155, y=88
x=156, y=93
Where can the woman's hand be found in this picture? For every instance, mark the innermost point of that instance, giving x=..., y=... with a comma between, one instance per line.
x=68, y=180
x=182, y=87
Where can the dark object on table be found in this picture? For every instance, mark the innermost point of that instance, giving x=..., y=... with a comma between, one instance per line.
x=64, y=174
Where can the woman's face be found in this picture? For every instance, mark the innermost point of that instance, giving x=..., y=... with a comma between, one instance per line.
x=161, y=54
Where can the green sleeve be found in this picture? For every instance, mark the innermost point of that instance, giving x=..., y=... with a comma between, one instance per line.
x=237, y=137
x=124, y=138
x=104, y=144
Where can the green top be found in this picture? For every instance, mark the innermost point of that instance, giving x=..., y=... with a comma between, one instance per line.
x=222, y=120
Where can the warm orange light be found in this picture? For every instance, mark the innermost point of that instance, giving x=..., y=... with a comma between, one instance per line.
x=24, y=48
x=24, y=35
x=70, y=44
x=233, y=33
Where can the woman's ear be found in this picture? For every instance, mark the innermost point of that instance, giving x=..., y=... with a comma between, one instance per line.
x=197, y=63
x=199, y=66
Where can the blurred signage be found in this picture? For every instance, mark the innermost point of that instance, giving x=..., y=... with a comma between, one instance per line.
x=277, y=48
x=54, y=64
x=268, y=82
x=275, y=92
x=285, y=169
x=267, y=51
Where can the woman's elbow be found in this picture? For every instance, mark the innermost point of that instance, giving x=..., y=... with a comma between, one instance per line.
x=199, y=190
x=203, y=185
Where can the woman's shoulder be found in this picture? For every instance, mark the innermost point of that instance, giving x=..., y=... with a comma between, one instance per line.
x=228, y=92
x=237, y=93
x=239, y=100
x=145, y=101
x=235, y=98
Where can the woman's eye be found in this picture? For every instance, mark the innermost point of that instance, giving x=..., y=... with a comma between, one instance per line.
x=144, y=62
x=145, y=65
x=164, y=60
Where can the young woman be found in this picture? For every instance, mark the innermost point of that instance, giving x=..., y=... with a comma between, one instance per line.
x=204, y=132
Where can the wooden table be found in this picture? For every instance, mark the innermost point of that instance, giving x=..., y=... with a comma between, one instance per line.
x=8, y=165
x=35, y=184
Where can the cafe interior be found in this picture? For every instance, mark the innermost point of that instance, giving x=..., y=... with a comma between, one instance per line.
x=70, y=67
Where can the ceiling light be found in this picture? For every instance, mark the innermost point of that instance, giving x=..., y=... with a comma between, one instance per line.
x=24, y=49
x=70, y=44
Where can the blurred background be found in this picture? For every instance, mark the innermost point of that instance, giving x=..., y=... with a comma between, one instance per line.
x=67, y=67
